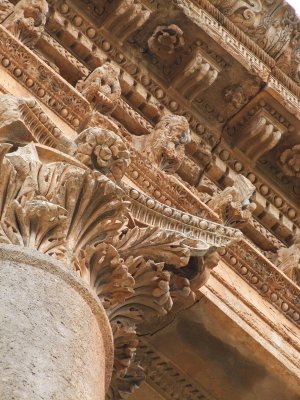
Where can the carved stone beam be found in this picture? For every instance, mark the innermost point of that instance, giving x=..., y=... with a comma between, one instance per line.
x=256, y=134
x=23, y=120
x=27, y=21
x=198, y=75
x=129, y=16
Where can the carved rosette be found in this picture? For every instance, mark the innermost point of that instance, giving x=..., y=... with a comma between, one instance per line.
x=72, y=208
x=166, y=40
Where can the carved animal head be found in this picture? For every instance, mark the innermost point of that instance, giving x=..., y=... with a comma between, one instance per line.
x=168, y=142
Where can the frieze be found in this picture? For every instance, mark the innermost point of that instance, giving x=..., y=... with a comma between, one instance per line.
x=261, y=274
x=41, y=80
x=242, y=37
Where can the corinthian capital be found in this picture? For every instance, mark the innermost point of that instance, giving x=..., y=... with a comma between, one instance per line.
x=73, y=206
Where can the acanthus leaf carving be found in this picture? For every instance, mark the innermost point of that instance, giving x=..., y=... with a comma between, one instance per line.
x=29, y=187
x=73, y=212
x=155, y=243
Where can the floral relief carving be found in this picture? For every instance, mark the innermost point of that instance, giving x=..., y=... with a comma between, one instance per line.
x=79, y=216
x=166, y=40
x=290, y=161
x=103, y=150
x=27, y=21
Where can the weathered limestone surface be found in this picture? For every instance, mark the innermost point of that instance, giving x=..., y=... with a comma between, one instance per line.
x=135, y=137
x=55, y=338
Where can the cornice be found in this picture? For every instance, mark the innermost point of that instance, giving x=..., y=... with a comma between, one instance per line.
x=243, y=38
x=171, y=103
x=130, y=67
x=39, y=79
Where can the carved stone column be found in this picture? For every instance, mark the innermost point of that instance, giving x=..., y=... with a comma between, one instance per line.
x=85, y=258
x=55, y=338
